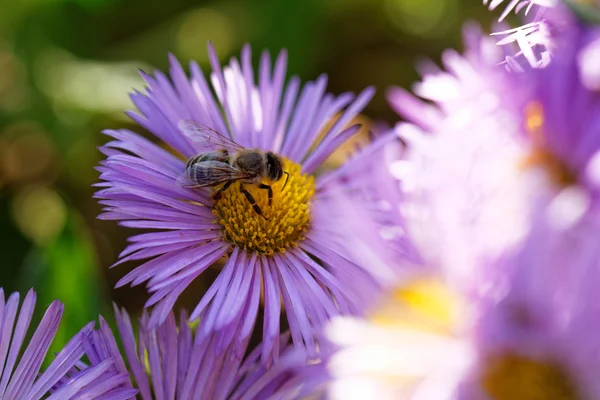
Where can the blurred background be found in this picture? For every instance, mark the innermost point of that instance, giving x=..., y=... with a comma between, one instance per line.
x=67, y=66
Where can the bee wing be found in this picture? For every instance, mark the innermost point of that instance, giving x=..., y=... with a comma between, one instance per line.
x=207, y=136
x=209, y=173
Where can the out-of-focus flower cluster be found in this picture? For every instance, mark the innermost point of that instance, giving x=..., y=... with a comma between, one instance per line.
x=456, y=256
x=498, y=189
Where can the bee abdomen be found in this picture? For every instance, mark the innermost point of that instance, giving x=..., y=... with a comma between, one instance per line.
x=199, y=174
x=193, y=160
x=219, y=155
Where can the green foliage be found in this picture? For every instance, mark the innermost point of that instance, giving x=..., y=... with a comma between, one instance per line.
x=66, y=269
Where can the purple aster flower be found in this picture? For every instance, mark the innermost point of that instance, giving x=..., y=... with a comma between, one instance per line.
x=293, y=251
x=171, y=361
x=20, y=376
x=496, y=193
x=461, y=82
x=502, y=145
x=411, y=344
x=535, y=334
x=367, y=190
x=522, y=328
x=445, y=201
x=500, y=196
x=410, y=332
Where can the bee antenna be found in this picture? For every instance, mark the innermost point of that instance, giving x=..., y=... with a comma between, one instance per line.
x=286, y=179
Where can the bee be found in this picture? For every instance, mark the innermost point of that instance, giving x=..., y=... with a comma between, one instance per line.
x=225, y=162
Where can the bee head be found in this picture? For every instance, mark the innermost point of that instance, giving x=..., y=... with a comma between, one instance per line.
x=274, y=166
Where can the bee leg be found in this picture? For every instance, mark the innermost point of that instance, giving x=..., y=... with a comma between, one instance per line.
x=217, y=194
x=252, y=202
x=263, y=186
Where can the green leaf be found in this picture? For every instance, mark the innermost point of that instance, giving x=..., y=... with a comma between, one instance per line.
x=66, y=269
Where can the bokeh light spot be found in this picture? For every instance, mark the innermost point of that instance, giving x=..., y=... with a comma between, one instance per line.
x=39, y=213
x=26, y=152
x=87, y=85
x=202, y=25
x=14, y=92
x=422, y=17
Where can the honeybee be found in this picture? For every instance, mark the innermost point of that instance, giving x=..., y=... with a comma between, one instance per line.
x=225, y=162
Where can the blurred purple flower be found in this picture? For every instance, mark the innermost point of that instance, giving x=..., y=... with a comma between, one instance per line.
x=365, y=189
x=518, y=5
x=522, y=327
x=499, y=188
x=501, y=148
x=274, y=256
x=535, y=332
x=534, y=39
x=170, y=361
x=411, y=344
x=466, y=79
x=370, y=193
x=500, y=193
x=449, y=205
x=20, y=376
x=550, y=25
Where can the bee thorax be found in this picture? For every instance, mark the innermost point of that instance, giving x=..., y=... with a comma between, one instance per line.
x=252, y=161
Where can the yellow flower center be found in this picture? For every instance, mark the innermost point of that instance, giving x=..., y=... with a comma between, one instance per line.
x=425, y=304
x=282, y=224
x=431, y=307
x=541, y=156
x=511, y=376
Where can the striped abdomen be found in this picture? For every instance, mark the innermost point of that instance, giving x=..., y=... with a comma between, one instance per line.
x=218, y=155
x=209, y=169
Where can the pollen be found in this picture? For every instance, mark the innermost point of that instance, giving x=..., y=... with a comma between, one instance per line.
x=557, y=170
x=541, y=155
x=283, y=224
x=510, y=376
